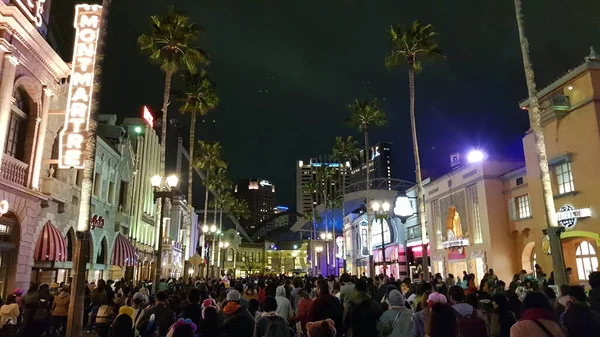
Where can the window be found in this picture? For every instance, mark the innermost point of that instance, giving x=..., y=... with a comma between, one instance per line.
x=473, y=205
x=258, y=257
x=111, y=192
x=251, y=256
x=230, y=255
x=533, y=261
x=97, y=184
x=437, y=223
x=586, y=259
x=519, y=181
x=15, y=137
x=564, y=178
x=245, y=256
x=522, y=206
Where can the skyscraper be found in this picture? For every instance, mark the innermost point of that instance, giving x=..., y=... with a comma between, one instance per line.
x=379, y=165
x=307, y=172
x=260, y=195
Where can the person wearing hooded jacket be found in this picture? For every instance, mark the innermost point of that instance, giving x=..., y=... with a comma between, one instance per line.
x=397, y=320
x=60, y=309
x=284, y=306
x=237, y=320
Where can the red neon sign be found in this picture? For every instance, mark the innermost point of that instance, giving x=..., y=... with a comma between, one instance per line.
x=148, y=116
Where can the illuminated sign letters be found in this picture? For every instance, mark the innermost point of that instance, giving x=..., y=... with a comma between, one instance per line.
x=33, y=10
x=265, y=183
x=73, y=137
x=148, y=117
x=456, y=243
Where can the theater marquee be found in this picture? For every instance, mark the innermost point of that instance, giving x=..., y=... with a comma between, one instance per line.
x=73, y=137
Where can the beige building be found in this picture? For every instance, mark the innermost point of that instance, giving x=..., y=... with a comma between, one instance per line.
x=467, y=221
x=570, y=114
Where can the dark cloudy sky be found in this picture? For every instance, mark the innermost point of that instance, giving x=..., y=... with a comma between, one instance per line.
x=286, y=71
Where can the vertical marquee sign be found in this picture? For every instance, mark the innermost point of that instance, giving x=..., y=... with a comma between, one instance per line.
x=33, y=10
x=73, y=137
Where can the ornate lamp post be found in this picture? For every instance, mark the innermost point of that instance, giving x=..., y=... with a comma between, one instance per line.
x=162, y=192
x=382, y=212
x=223, y=245
x=327, y=237
x=318, y=249
x=210, y=233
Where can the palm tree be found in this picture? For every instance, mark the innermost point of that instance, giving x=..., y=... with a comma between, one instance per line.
x=208, y=159
x=221, y=185
x=365, y=114
x=336, y=202
x=170, y=45
x=407, y=44
x=313, y=189
x=197, y=98
x=76, y=306
x=535, y=122
x=344, y=151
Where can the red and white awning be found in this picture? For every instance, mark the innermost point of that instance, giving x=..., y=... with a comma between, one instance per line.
x=123, y=253
x=51, y=246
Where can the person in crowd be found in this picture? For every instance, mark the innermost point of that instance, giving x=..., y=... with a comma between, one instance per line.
x=9, y=315
x=18, y=292
x=538, y=319
x=470, y=319
x=262, y=291
x=284, y=307
x=250, y=293
x=561, y=302
x=579, y=321
x=254, y=308
x=193, y=310
x=457, y=298
x=122, y=326
x=60, y=309
x=514, y=304
x=347, y=289
x=397, y=320
x=336, y=289
x=138, y=308
x=210, y=323
x=515, y=283
x=327, y=306
x=182, y=328
x=502, y=318
x=441, y=321
x=304, y=310
x=384, y=289
x=420, y=317
x=361, y=313
x=163, y=316
x=450, y=281
x=500, y=288
x=294, y=296
x=270, y=321
x=324, y=328
x=240, y=289
x=471, y=288
x=237, y=321
x=105, y=316
x=594, y=294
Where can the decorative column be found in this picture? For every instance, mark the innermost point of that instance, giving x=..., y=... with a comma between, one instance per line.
x=6, y=90
x=42, y=130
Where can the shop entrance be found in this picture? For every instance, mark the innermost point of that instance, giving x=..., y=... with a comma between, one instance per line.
x=456, y=268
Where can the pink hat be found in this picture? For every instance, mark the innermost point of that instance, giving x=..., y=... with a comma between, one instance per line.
x=208, y=303
x=436, y=298
x=18, y=291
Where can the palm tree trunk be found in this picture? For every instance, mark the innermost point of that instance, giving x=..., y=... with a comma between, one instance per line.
x=163, y=139
x=76, y=306
x=313, y=251
x=204, y=223
x=420, y=192
x=553, y=230
x=368, y=203
x=188, y=236
x=343, y=208
x=334, y=246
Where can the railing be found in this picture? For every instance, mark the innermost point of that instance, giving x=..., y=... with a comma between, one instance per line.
x=122, y=219
x=560, y=102
x=14, y=170
x=173, y=244
x=57, y=189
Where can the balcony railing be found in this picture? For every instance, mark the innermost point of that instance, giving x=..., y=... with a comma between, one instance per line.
x=58, y=190
x=122, y=219
x=557, y=102
x=14, y=170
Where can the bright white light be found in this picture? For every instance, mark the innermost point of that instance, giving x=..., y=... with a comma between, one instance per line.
x=475, y=156
x=172, y=181
x=386, y=206
x=220, y=244
x=138, y=129
x=156, y=180
x=213, y=228
x=323, y=236
x=375, y=206
x=205, y=228
x=319, y=249
x=570, y=87
x=300, y=163
x=402, y=207
x=329, y=236
x=226, y=244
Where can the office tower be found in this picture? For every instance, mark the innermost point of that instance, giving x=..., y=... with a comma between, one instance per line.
x=307, y=172
x=380, y=167
x=260, y=195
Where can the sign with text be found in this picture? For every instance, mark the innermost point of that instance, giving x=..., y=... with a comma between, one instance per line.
x=33, y=10
x=567, y=215
x=73, y=137
x=458, y=242
x=96, y=222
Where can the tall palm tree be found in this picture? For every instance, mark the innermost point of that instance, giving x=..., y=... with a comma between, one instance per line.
x=313, y=189
x=170, y=44
x=535, y=122
x=239, y=208
x=208, y=159
x=408, y=44
x=344, y=151
x=366, y=114
x=221, y=185
x=76, y=306
x=198, y=97
x=336, y=202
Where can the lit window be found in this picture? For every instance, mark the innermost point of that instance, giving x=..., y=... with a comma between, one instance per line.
x=523, y=208
x=230, y=255
x=533, y=261
x=564, y=178
x=586, y=259
x=473, y=206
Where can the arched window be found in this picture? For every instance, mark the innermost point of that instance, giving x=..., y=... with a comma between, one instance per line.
x=230, y=255
x=17, y=125
x=586, y=259
x=533, y=261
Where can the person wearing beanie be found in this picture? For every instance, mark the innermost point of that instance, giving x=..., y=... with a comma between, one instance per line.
x=237, y=321
x=122, y=326
x=397, y=320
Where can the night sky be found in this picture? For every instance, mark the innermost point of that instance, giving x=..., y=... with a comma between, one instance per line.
x=286, y=70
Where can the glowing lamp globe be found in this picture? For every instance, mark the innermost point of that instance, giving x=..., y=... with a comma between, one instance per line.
x=475, y=156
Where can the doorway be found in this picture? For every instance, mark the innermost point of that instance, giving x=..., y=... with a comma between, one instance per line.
x=456, y=268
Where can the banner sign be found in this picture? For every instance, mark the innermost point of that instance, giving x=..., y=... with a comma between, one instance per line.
x=73, y=137
x=455, y=243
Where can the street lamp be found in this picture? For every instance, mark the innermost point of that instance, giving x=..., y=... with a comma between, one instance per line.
x=326, y=237
x=223, y=245
x=382, y=212
x=162, y=192
x=318, y=250
x=210, y=233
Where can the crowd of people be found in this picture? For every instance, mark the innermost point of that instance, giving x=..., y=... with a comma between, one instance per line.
x=280, y=306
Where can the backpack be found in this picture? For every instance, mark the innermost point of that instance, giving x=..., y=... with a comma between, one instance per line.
x=471, y=325
x=277, y=327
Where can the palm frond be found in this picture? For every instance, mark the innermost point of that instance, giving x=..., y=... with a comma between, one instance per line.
x=410, y=43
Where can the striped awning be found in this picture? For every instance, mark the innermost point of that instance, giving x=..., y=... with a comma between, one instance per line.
x=123, y=254
x=51, y=246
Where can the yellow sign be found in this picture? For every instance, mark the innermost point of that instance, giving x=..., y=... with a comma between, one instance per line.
x=73, y=137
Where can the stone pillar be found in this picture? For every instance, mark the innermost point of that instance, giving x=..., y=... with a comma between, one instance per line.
x=6, y=89
x=42, y=130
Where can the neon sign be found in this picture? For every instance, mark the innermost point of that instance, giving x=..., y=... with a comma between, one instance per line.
x=148, y=117
x=96, y=222
x=264, y=183
x=33, y=10
x=72, y=141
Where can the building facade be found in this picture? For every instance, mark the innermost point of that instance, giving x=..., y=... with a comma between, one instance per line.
x=570, y=115
x=260, y=196
x=379, y=164
x=307, y=173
